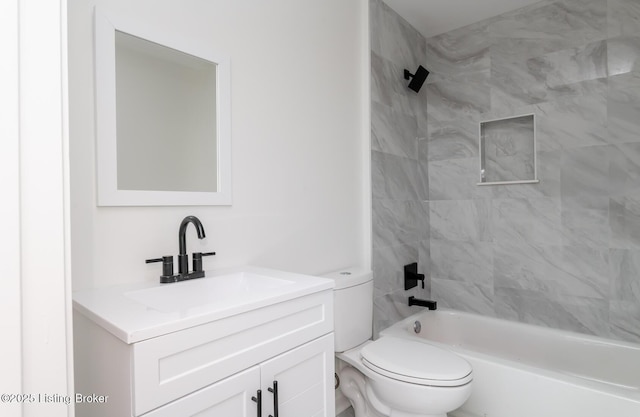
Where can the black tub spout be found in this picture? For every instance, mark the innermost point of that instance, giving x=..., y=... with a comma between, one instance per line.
x=431, y=305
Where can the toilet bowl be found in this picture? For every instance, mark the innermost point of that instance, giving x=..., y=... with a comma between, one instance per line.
x=404, y=378
x=391, y=376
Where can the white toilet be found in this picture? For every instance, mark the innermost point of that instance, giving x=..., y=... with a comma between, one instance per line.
x=390, y=376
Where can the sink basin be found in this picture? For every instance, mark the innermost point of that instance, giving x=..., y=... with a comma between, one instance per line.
x=229, y=288
x=140, y=311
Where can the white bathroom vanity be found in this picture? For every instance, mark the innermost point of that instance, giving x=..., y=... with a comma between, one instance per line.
x=242, y=342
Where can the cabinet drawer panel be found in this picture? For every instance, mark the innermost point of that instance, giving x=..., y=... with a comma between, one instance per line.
x=174, y=365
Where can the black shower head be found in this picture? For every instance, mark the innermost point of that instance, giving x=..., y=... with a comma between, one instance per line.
x=417, y=79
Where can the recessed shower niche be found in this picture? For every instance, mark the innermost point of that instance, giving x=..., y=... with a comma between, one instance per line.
x=508, y=151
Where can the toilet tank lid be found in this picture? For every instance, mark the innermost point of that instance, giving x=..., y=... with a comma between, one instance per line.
x=349, y=277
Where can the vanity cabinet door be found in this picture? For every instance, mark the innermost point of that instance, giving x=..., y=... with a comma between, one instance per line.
x=304, y=379
x=230, y=397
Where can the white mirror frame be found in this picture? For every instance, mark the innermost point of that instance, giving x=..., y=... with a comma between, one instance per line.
x=106, y=150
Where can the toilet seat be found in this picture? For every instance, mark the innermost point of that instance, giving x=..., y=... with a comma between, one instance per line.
x=415, y=362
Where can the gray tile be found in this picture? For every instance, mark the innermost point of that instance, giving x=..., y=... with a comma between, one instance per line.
x=515, y=84
x=382, y=81
x=453, y=55
x=453, y=139
x=624, y=170
x=456, y=179
x=548, y=168
x=576, y=314
x=393, y=38
x=625, y=275
x=552, y=270
x=584, y=177
x=585, y=227
x=462, y=261
x=624, y=218
x=571, y=66
x=424, y=262
x=572, y=122
x=451, y=100
x=423, y=170
x=423, y=221
x=463, y=296
x=564, y=23
x=396, y=222
x=623, y=17
x=392, y=132
x=394, y=177
x=623, y=55
x=623, y=107
x=624, y=320
x=587, y=271
x=464, y=220
x=522, y=220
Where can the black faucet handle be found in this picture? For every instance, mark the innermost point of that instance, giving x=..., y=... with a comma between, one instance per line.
x=167, y=264
x=197, y=260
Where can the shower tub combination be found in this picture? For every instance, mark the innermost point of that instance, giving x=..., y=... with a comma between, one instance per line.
x=521, y=370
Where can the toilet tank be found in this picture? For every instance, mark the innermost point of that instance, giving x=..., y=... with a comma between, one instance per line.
x=352, y=307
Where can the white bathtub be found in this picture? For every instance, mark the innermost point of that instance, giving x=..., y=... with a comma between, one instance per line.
x=522, y=370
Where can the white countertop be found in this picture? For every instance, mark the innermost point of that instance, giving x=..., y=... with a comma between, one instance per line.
x=136, y=312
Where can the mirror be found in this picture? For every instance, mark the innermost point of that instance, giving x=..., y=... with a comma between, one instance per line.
x=508, y=151
x=163, y=117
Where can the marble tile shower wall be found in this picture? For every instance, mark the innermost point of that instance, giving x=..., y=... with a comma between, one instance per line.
x=398, y=162
x=564, y=253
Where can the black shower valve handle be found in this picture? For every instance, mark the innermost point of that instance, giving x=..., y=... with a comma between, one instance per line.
x=411, y=276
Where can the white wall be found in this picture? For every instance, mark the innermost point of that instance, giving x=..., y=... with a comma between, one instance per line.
x=299, y=71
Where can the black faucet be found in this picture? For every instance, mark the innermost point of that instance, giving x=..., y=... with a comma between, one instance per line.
x=431, y=305
x=183, y=259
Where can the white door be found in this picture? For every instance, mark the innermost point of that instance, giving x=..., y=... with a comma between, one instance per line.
x=299, y=383
x=37, y=281
x=235, y=396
